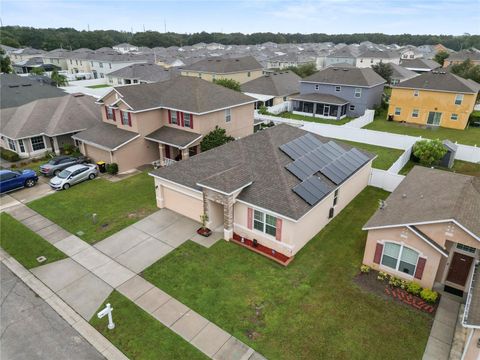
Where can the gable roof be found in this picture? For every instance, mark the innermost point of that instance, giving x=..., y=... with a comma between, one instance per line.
x=144, y=72
x=365, y=77
x=420, y=63
x=255, y=159
x=399, y=72
x=185, y=93
x=440, y=81
x=276, y=84
x=221, y=65
x=106, y=136
x=464, y=55
x=431, y=195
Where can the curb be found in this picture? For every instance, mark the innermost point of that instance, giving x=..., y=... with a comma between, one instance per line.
x=97, y=340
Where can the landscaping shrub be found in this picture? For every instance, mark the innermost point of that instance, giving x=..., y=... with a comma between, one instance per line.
x=429, y=295
x=394, y=281
x=429, y=151
x=68, y=149
x=365, y=269
x=263, y=110
x=9, y=155
x=112, y=168
x=413, y=288
x=382, y=275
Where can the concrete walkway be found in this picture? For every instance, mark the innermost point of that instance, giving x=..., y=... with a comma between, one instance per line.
x=89, y=275
x=443, y=329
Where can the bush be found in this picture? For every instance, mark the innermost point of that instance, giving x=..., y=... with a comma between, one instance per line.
x=9, y=155
x=394, y=281
x=68, y=149
x=429, y=151
x=382, y=275
x=429, y=295
x=365, y=269
x=413, y=288
x=263, y=110
x=215, y=138
x=112, y=168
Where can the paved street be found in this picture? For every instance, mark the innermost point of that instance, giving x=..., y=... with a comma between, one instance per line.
x=31, y=329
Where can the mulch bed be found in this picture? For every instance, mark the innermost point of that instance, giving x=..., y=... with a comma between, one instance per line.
x=369, y=282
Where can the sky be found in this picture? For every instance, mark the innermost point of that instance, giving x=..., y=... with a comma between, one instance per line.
x=301, y=16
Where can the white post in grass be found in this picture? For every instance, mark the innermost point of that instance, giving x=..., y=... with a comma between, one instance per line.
x=107, y=311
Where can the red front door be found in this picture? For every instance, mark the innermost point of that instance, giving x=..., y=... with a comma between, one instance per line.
x=167, y=152
x=459, y=269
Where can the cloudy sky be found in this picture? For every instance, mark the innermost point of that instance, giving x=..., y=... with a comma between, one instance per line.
x=303, y=16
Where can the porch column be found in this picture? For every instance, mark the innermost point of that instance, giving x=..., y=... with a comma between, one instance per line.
x=314, y=109
x=228, y=218
x=185, y=154
x=205, y=207
x=161, y=150
x=55, y=145
x=159, y=196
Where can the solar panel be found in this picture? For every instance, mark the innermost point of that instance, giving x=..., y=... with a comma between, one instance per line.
x=300, y=146
x=312, y=190
x=330, y=173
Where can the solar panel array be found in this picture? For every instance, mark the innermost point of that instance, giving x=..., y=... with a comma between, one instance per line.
x=311, y=156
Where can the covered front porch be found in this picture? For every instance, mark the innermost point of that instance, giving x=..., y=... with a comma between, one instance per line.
x=320, y=105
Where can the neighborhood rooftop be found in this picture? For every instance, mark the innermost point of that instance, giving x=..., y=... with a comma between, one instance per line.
x=106, y=136
x=346, y=76
x=144, y=72
x=441, y=80
x=276, y=84
x=225, y=65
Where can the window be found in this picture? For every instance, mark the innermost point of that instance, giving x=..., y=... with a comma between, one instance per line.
x=338, y=88
x=11, y=145
x=358, y=92
x=125, y=118
x=284, y=98
x=466, y=248
x=174, y=117
x=398, y=111
x=265, y=223
x=415, y=92
x=37, y=143
x=228, y=115
x=352, y=107
x=71, y=62
x=458, y=99
x=415, y=113
x=110, y=65
x=22, y=147
x=454, y=117
x=100, y=64
x=317, y=87
x=186, y=120
x=76, y=62
x=400, y=258
x=109, y=113
x=335, y=197
x=102, y=75
x=248, y=74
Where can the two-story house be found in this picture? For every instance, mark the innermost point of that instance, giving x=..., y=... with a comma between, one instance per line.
x=241, y=69
x=436, y=98
x=163, y=121
x=371, y=57
x=140, y=73
x=461, y=56
x=336, y=92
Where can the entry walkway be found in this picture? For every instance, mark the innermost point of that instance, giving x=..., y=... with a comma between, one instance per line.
x=89, y=275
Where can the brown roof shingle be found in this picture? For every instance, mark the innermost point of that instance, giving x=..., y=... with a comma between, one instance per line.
x=365, y=77
x=220, y=65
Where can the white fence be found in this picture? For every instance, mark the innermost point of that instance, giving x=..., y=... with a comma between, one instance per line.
x=401, y=161
x=468, y=153
x=363, y=120
x=279, y=108
x=384, y=179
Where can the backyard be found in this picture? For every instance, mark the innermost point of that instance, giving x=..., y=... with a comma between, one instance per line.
x=385, y=156
x=469, y=136
x=461, y=167
x=117, y=205
x=289, y=115
x=311, y=309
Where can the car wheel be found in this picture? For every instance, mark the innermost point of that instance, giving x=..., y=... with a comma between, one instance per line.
x=91, y=176
x=29, y=183
x=66, y=186
x=56, y=172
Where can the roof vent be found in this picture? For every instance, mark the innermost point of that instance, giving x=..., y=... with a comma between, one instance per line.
x=404, y=196
x=345, y=69
x=335, y=69
x=77, y=94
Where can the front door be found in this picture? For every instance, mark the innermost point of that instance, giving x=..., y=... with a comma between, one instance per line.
x=434, y=118
x=459, y=269
x=326, y=110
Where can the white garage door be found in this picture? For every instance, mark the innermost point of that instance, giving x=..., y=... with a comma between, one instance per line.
x=183, y=204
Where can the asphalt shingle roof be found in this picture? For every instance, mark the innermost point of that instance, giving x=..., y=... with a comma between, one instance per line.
x=276, y=84
x=441, y=80
x=106, y=135
x=321, y=98
x=419, y=63
x=365, y=77
x=173, y=136
x=144, y=72
x=220, y=65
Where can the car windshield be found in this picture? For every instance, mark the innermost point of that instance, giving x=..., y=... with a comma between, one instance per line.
x=53, y=162
x=64, y=174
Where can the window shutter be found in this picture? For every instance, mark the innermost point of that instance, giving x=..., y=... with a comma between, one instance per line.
x=420, y=267
x=378, y=253
x=129, y=119
x=106, y=112
x=250, y=218
x=114, y=117
x=181, y=120
x=191, y=121
x=169, y=117
x=121, y=117
x=278, y=234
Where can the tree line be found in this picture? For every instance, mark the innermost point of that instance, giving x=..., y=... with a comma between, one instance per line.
x=69, y=38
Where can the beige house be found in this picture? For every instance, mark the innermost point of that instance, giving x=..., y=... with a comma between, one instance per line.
x=260, y=192
x=241, y=69
x=163, y=122
x=428, y=231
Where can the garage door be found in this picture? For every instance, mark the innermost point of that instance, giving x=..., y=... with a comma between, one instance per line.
x=183, y=204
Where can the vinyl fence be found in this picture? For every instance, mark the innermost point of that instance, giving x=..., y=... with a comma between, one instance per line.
x=384, y=179
x=363, y=120
x=280, y=108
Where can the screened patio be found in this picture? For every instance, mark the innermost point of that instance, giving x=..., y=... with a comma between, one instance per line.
x=320, y=105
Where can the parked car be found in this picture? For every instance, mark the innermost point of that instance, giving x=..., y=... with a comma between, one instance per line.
x=73, y=175
x=58, y=163
x=12, y=179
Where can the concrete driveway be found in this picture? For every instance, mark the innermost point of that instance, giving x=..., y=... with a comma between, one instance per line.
x=25, y=195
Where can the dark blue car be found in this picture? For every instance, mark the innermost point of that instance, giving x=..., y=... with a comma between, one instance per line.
x=11, y=179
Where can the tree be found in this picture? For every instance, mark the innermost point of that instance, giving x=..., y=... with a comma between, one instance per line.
x=228, y=83
x=441, y=56
x=37, y=71
x=429, y=151
x=215, y=138
x=467, y=70
x=5, y=63
x=59, y=80
x=384, y=70
x=303, y=70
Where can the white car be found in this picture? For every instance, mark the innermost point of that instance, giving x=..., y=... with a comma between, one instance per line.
x=73, y=175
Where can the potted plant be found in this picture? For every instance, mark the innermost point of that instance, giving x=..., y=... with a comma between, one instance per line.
x=204, y=231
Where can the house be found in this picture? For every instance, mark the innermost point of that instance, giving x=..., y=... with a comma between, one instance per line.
x=410, y=52
x=273, y=88
x=291, y=59
x=400, y=74
x=124, y=48
x=241, y=69
x=25, y=54
x=336, y=92
x=461, y=56
x=37, y=117
x=26, y=66
x=140, y=74
x=419, y=65
x=163, y=121
x=436, y=98
x=271, y=191
x=57, y=57
x=78, y=64
x=342, y=55
x=103, y=62
x=372, y=57
x=428, y=231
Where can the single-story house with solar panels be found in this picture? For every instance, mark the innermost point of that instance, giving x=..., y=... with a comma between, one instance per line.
x=271, y=191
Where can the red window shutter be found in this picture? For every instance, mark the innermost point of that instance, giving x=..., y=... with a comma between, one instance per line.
x=114, y=117
x=250, y=218
x=378, y=253
x=181, y=120
x=278, y=234
x=106, y=112
x=191, y=121
x=129, y=119
x=420, y=267
x=169, y=117
x=121, y=117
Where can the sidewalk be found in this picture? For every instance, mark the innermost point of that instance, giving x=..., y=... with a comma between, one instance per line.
x=88, y=276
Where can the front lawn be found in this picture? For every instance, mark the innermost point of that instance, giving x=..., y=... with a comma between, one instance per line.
x=117, y=206
x=139, y=335
x=461, y=167
x=289, y=115
x=469, y=136
x=385, y=156
x=24, y=244
x=311, y=309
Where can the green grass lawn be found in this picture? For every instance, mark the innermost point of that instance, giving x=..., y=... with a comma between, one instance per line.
x=311, y=309
x=461, y=167
x=117, y=206
x=385, y=156
x=24, y=244
x=99, y=86
x=139, y=335
x=289, y=115
x=469, y=136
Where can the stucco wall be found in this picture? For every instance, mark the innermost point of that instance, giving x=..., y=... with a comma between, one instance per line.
x=95, y=154
x=472, y=351
x=241, y=77
x=135, y=153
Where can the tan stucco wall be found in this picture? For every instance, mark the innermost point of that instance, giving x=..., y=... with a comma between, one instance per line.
x=135, y=153
x=95, y=154
x=241, y=77
x=472, y=352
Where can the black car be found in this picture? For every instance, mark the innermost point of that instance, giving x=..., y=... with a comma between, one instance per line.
x=58, y=163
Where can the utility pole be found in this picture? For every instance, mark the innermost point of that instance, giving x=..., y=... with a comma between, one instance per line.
x=165, y=24
x=88, y=27
x=143, y=27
